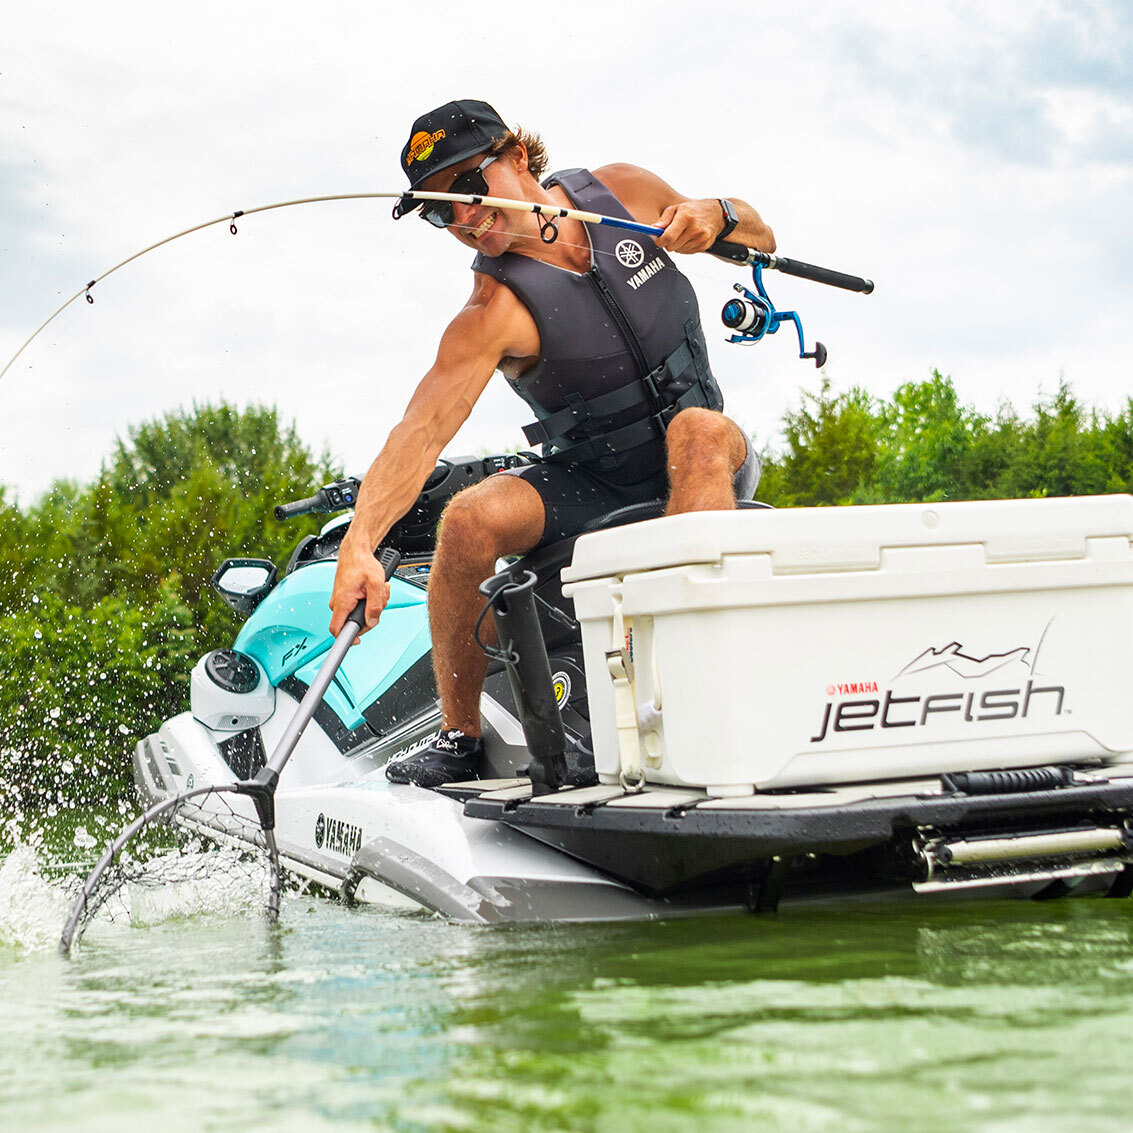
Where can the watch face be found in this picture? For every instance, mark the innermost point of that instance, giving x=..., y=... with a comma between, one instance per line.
x=730, y=217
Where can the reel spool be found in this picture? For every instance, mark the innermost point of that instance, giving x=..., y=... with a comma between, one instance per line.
x=754, y=315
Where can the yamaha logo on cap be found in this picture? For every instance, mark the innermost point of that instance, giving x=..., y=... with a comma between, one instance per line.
x=447, y=136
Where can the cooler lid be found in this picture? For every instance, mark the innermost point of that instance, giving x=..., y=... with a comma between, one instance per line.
x=813, y=540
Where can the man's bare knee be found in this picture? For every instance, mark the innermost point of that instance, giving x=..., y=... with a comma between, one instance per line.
x=489, y=520
x=702, y=437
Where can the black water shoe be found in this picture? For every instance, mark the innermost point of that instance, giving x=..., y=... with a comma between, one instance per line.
x=451, y=758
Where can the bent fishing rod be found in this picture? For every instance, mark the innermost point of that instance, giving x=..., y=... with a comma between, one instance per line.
x=549, y=214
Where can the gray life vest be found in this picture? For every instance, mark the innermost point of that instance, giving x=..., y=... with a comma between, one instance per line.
x=621, y=350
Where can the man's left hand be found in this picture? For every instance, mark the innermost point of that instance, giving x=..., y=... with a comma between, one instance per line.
x=691, y=226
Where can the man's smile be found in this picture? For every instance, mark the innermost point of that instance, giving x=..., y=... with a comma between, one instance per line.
x=484, y=225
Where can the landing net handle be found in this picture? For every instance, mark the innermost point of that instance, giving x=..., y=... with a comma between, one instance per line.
x=100, y=884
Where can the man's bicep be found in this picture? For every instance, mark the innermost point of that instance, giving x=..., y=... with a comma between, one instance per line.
x=467, y=357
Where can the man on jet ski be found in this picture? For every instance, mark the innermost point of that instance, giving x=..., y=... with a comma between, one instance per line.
x=599, y=333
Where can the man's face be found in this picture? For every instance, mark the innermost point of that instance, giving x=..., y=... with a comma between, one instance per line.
x=488, y=230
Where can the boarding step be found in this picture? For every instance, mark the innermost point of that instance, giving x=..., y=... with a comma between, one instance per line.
x=664, y=797
x=830, y=819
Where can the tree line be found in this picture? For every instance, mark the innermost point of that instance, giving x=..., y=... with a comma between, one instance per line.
x=104, y=598
x=923, y=444
x=105, y=603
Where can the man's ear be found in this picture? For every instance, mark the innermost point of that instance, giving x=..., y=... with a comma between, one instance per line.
x=519, y=155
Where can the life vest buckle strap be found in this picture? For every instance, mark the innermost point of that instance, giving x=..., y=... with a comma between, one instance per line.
x=576, y=433
x=536, y=433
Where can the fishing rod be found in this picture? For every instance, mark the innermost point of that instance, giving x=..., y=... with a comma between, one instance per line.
x=548, y=231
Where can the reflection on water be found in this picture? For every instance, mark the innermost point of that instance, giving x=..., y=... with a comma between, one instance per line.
x=998, y=1017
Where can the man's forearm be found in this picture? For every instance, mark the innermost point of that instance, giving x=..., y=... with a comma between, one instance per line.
x=393, y=483
x=751, y=231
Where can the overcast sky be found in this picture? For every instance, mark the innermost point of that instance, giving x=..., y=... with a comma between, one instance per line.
x=974, y=159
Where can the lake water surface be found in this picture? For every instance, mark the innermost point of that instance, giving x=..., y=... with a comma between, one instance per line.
x=1004, y=1016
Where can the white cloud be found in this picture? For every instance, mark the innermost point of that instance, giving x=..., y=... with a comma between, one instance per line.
x=974, y=159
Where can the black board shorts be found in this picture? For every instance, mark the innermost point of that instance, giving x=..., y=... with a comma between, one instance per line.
x=574, y=497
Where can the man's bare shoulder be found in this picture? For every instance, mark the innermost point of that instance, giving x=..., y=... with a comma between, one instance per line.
x=496, y=319
x=642, y=192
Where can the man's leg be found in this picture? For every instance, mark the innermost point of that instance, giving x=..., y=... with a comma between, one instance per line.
x=704, y=451
x=502, y=515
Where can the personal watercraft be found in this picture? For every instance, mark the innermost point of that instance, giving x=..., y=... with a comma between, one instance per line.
x=783, y=705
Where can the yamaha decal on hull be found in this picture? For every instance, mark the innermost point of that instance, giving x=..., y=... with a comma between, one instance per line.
x=337, y=835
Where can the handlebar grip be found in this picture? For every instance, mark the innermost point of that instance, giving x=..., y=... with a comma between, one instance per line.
x=297, y=507
x=388, y=558
x=822, y=275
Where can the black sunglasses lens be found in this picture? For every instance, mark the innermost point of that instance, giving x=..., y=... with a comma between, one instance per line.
x=438, y=213
x=473, y=183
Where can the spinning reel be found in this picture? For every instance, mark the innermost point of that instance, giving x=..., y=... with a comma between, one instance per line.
x=755, y=315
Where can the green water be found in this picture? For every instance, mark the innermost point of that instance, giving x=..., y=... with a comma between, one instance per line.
x=1005, y=1016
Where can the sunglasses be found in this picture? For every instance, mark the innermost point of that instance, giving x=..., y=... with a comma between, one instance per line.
x=472, y=183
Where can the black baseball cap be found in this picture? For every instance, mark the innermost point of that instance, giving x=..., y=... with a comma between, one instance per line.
x=446, y=136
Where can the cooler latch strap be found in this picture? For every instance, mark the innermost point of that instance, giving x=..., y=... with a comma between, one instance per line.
x=619, y=664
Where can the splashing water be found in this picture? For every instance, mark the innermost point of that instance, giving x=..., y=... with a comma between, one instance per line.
x=32, y=908
x=35, y=901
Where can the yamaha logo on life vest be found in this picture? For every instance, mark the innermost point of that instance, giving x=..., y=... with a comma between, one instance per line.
x=1028, y=698
x=629, y=253
x=651, y=269
x=337, y=836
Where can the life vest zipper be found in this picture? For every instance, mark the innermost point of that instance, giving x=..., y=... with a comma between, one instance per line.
x=619, y=316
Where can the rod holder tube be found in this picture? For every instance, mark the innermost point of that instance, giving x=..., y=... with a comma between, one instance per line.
x=520, y=640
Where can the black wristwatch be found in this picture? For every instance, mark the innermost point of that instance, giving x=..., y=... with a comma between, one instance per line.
x=730, y=218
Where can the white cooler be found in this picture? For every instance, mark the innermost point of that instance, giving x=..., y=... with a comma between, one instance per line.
x=762, y=649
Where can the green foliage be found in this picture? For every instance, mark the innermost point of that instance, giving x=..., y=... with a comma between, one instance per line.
x=923, y=445
x=104, y=597
x=831, y=449
x=79, y=687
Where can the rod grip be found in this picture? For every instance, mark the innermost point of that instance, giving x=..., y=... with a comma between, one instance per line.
x=738, y=253
x=822, y=275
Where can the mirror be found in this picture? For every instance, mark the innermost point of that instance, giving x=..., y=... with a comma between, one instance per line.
x=244, y=583
x=244, y=579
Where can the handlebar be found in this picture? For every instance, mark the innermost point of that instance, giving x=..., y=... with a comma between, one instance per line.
x=339, y=496
x=737, y=253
